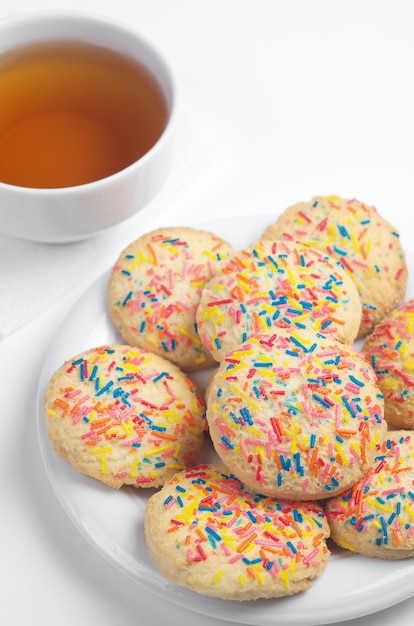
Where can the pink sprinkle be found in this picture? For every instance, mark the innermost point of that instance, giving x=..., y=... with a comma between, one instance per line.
x=236, y=558
x=168, y=453
x=391, y=491
x=311, y=556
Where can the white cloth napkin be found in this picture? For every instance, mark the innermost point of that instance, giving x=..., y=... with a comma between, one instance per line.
x=33, y=276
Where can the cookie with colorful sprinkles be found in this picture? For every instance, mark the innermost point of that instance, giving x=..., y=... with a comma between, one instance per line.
x=376, y=516
x=390, y=348
x=205, y=531
x=277, y=284
x=155, y=287
x=295, y=416
x=355, y=234
x=124, y=416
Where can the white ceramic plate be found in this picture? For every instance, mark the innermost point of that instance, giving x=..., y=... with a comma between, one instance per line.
x=112, y=521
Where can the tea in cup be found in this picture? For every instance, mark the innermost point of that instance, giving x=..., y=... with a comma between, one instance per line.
x=86, y=121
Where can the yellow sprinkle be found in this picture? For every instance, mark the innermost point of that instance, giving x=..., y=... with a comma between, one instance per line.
x=332, y=232
x=134, y=467
x=213, y=312
x=264, y=359
x=239, y=392
x=236, y=353
x=302, y=339
x=317, y=324
x=102, y=452
x=170, y=413
x=378, y=505
x=195, y=338
x=390, y=384
x=355, y=242
x=346, y=545
x=218, y=575
x=284, y=577
x=246, y=282
x=238, y=367
x=128, y=427
x=112, y=431
x=357, y=448
x=210, y=255
x=259, y=576
x=293, y=432
x=140, y=258
x=293, y=281
x=341, y=453
x=268, y=308
x=159, y=450
x=200, y=359
x=173, y=250
x=409, y=510
x=176, y=466
x=241, y=580
x=256, y=432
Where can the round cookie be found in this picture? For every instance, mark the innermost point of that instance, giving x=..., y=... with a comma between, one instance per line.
x=205, y=531
x=124, y=416
x=155, y=287
x=390, y=348
x=277, y=284
x=376, y=516
x=295, y=416
x=366, y=244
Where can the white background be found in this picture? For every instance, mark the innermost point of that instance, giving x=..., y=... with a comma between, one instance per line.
x=278, y=101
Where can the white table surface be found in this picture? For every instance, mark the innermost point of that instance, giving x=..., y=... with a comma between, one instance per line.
x=290, y=98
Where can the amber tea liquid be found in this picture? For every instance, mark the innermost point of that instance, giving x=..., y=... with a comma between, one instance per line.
x=72, y=113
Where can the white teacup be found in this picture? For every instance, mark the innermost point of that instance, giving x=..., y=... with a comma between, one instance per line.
x=78, y=211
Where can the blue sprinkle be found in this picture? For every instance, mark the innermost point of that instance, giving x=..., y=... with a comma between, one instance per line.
x=127, y=298
x=162, y=375
x=245, y=413
x=105, y=389
x=321, y=400
x=252, y=517
x=227, y=442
